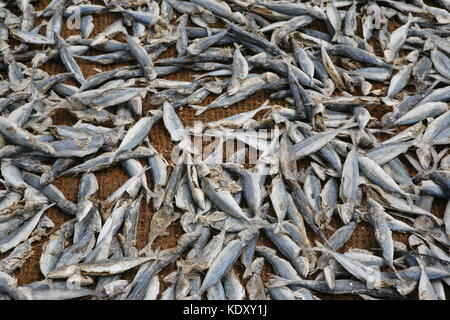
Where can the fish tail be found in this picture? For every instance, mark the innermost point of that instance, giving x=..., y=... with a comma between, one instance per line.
x=113, y=157
x=279, y=228
x=195, y=296
x=199, y=109
x=346, y=212
x=83, y=210
x=247, y=272
x=319, y=246
x=336, y=36
x=149, y=194
x=410, y=199
x=277, y=281
x=197, y=76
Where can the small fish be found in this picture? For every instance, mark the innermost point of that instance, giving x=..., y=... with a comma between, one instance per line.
x=22, y=137
x=22, y=233
x=52, y=193
x=142, y=57
x=399, y=81
x=200, y=45
x=222, y=263
x=136, y=134
x=239, y=72
x=382, y=232
x=348, y=190
x=331, y=69
x=440, y=61
x=68, y=60
x=279, y=199
x=396, y=40
x=321, y=151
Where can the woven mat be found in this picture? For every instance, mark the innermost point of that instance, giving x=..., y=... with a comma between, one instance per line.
x=110, y=179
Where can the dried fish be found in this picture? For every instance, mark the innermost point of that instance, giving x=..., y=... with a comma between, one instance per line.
x=374, y=151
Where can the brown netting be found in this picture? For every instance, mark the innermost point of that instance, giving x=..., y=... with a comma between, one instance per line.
x=110, y=179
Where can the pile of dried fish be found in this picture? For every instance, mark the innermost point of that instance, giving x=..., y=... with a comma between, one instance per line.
x=355, y=135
